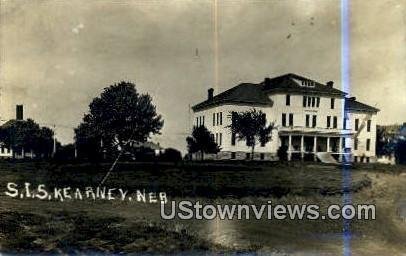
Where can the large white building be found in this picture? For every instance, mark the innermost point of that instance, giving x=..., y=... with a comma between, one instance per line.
x=309, y=117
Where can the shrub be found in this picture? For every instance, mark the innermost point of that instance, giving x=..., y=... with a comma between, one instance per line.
x=171, y=155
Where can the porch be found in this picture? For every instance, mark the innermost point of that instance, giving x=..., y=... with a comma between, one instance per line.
x=305, y=146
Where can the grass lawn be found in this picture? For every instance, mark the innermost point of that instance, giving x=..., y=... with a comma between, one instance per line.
x=76, y=226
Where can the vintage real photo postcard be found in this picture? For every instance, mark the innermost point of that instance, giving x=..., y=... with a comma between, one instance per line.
x=203, y=127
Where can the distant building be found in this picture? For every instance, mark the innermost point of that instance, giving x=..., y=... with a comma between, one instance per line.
x=310, y=117
x=153, y=147
x=5, y=152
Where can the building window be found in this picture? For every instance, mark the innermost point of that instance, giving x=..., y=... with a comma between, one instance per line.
x=356, y=124
x=367, y=159
x=345, y=123
x=287, y=99
x=318, y=101
x=2, y=150
x=304, y=101
x=221, y=139
x=232, y=155
x=217, y=138
x=355, y=159
x=248, y=156
x=197, y=121
x=284, y=120
x=355, y=144
x=313, y=102
x=214, y=119
x=232, y=139
x=221, y=118
x=290, y=119
x=314, y=121
x=262, y=156
x=307, y=120
x=368, y=144
x=335, y=122
x=332, y=103
x=203, y=121
x=328, y=121
x=309, y=101
x=369, y=126
x=217, y=118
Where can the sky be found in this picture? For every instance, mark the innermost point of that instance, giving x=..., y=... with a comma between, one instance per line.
x=56, y=56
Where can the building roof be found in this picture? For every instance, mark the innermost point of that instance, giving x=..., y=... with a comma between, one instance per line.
x=299, y=84
x=147, y=144
x=257, y=94
x=245, y=93
x=353, y=105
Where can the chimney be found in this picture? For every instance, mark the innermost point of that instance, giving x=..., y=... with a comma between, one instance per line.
x=330, y=84
x=267, y=81
x=210, y=93
x=19, y=112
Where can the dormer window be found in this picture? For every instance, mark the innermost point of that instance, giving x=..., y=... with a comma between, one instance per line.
x=308, y=83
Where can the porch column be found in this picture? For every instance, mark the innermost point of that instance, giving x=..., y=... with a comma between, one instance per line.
x=315, y=147
x=328, y=144
x=290, y=148
x=340, y=149
x=302, y=147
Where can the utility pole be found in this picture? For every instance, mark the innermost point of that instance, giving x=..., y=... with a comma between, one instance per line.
x=54, y=147
x=190, y=121
x=76, y=150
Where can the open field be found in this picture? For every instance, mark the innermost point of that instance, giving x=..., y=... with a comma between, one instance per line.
x=32, y=225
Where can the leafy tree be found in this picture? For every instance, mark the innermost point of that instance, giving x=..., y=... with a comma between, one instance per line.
x=400, y=151
x=27, y=135
x=117, y=118
x=387, y=140
x=282, y=153
x=252, y=127
x=44, y=142
x=65, y=152
x=202, y=141
x=88, y=142
x=385, y=145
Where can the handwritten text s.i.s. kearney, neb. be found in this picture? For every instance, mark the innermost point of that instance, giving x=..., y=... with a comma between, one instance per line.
x=42, y=192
